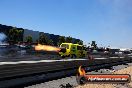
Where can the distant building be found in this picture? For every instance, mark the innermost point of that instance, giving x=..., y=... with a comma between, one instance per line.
x=34, y=34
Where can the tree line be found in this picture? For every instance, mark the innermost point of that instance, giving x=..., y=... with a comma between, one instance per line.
x=14, y=36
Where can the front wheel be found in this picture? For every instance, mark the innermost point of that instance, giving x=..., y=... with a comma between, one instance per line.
x=73, y=56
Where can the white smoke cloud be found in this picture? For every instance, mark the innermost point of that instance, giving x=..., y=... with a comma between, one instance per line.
x=2, y=37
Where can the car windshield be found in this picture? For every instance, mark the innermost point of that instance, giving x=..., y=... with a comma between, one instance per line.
x=65, y=46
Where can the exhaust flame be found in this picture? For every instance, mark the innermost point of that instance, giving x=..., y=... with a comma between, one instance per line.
x=81, y=71
x=46, y=48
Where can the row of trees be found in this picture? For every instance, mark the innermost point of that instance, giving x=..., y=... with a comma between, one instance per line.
x=15, y=36
x=43, y=39
x=69, y=40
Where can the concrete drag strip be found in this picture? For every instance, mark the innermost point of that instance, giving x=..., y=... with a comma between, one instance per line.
x=72, y=80
x=56, y=83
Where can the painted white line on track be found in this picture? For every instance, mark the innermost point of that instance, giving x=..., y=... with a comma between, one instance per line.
x=114, y=57
x=121, y=57
x=28, y=62
x=100, y=58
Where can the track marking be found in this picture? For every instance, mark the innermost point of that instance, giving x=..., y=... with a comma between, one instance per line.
x=121, y=57
x=26, y=62
x=100, y=58
x=114, y=57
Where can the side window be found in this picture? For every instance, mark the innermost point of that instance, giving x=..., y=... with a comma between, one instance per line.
x=67, y=46
x=63, y=45
x=73, y=47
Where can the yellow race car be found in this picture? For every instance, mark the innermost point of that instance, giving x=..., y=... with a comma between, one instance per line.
x=72, y=50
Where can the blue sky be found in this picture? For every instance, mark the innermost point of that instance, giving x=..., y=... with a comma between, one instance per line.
x=108, y=22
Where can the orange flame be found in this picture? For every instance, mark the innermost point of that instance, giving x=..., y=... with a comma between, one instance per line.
x=81, y=71
x=46, y=48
